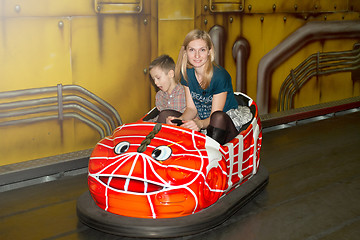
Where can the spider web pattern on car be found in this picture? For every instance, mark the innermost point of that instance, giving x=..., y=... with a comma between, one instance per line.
x=156, y=183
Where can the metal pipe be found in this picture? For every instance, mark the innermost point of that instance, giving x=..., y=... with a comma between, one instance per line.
x=102, y=112
x=54, y=117
x=314, y=73
x=28, y=103
x=60, y=101
x=47, y=109
x=92, y=107
x=66, y=100
x=47, y=90
x=89, y=113
x=241, y=52
x=217, y=34
x=316, y=65
x=32, y=91
x=97, y=99
x=312, y=31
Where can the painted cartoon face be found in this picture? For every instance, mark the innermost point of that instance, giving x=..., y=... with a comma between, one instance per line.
x=149, y=170
x=153, y=171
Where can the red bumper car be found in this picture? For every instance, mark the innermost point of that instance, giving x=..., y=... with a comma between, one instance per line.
x=157, y=180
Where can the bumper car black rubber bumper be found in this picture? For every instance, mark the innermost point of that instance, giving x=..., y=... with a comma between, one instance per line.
x=93, y=216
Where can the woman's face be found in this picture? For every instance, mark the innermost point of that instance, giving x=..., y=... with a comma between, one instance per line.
x=197, y=53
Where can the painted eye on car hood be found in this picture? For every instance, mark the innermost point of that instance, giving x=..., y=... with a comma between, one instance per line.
x=121, y=147
x=161, y=153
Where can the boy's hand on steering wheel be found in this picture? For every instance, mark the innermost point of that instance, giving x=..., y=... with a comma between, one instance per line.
x=178, y=122
x=169, y=120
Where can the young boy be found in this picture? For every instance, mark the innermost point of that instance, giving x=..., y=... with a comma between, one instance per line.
x=170, y=99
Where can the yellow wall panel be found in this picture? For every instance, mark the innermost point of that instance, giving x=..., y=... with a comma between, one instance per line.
x=337, y=86
x=354, y=5
x=259, y=6
x=263, y=36
x=31, y=141
x=34, y=53
x=49, y=8
x=328, y=6
x=106, y=55
x=171, y=36
x=309, y=94
x=176, y=10
x=295, y=6
x=356, y=87
x=324, y=88
x=153, y=5
x=175, y=20
x=252, y=31
x=118, y=50
x=233, y=33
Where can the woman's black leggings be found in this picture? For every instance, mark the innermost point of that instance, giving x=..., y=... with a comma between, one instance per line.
x=221, y=127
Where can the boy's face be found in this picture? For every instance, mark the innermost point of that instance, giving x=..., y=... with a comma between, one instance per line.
x=164, y=81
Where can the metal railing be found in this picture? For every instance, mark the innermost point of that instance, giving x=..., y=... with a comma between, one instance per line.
x=311, y=31
x=315, y=65
x=59, y=102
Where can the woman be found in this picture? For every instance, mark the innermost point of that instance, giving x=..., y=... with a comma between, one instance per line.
x=210, y=99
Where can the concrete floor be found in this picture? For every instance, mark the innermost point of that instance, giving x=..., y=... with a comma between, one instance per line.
x=313, y=193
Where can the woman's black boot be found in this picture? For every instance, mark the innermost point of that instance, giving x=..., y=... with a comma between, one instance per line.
x=217, y=133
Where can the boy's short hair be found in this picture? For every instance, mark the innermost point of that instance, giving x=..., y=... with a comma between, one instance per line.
x=165, y=62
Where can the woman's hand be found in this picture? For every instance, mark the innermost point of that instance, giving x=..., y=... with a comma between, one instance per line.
x=193, y=124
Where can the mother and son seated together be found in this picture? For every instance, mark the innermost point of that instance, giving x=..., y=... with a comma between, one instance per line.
x=196, y=93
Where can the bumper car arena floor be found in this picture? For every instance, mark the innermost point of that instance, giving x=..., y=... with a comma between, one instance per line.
x=313, y=193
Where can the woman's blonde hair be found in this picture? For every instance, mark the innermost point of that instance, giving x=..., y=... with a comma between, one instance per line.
x=182, y=62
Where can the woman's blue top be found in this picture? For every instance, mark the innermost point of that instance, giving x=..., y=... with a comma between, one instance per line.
x=220, y=82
